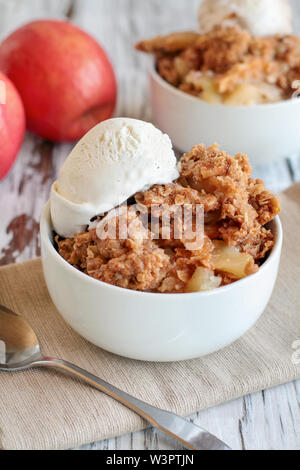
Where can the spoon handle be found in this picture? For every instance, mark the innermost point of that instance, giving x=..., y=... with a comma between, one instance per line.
x=187, y=433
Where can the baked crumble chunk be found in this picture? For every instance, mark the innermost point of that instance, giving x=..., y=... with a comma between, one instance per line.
x=228, y=65
x=234, y=238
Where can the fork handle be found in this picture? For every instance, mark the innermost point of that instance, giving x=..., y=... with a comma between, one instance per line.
x=188, y=434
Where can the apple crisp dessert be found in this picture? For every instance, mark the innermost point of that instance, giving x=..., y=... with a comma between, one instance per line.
x=235, y=239
x=228, y=65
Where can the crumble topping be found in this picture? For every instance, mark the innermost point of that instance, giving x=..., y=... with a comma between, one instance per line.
x=234, y=242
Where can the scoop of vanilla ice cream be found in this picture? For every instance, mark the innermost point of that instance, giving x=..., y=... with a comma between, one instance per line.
x=259, y=17
x=113, y=161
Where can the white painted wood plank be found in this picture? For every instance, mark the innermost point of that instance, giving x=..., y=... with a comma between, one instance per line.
x=14, y=13
x=23, y=194
x=296, y=10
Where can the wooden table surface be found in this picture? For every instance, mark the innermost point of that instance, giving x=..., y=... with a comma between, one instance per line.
x=265, y=420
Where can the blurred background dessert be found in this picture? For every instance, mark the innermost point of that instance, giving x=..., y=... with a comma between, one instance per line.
x=244, y=53
x=244, y=57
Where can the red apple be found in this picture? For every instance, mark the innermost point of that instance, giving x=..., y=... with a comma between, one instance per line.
x=64, y=77
x=12, y=124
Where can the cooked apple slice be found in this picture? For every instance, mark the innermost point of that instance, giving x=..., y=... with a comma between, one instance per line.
x=229, y=259
x=203, y=280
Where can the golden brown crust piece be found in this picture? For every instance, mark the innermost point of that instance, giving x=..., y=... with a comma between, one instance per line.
x=222, y=48
x=264, y=202
x=132, y=263
x=175, y=193
x=225, y=176
x=171, y=43
x=142, y=269
x=245, y=203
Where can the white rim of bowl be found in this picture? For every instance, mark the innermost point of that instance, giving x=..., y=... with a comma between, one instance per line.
x=194, y=99
x=46, y=225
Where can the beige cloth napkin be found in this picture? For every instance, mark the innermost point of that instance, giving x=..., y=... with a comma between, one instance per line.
x=42, y=409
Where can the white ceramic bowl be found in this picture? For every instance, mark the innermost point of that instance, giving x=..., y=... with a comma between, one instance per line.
x=264, y=132
x=156, y=327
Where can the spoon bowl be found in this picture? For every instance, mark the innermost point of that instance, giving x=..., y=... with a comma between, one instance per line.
x=19, y=346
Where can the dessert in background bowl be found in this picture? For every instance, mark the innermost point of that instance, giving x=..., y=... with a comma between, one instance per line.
x=228, y=65
x=247, y=81
x=153, y=294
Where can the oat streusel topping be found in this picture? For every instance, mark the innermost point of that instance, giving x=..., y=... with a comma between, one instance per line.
x=236, y=210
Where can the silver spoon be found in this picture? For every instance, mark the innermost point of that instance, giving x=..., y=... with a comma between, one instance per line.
x=20, y=350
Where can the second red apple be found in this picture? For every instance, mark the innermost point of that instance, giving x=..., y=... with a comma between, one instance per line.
x=12, y=124
x=64, y=77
